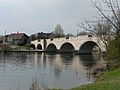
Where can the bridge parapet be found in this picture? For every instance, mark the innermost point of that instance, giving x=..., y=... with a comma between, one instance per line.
x=76, y=42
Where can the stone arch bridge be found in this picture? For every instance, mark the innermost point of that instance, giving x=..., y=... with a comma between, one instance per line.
x=81, y=44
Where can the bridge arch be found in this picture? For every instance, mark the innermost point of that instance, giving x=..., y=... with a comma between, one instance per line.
x=67, y=47
x=51, y=48
x=79, y=43
x=87, y=47
x=32, y=46
x=39, y=46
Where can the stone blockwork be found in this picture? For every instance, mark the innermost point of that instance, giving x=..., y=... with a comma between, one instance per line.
x=82, y=44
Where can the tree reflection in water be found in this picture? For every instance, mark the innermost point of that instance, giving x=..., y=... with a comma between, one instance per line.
x=67, y=58
x=52, y=70
x=89, y=61
x=38, y=83
x=17, y=59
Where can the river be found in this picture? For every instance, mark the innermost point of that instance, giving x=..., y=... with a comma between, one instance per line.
x=19, y=70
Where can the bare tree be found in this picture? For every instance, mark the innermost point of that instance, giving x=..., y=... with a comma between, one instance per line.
x=102, y=29
x=109, y=22
x=58, y=32
x=113, y=10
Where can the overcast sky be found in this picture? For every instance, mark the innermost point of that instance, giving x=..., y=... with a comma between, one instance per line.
x=32, y=16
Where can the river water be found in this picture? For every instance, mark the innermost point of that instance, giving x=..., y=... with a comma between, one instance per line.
x=18, y=71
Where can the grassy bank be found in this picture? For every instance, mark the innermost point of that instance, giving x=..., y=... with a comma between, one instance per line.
x=110, y=80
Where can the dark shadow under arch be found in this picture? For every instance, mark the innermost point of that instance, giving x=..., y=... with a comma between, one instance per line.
x=32, y=46
x=67, y=48
x=87, y=47
x=51, y=48
x=39, y=46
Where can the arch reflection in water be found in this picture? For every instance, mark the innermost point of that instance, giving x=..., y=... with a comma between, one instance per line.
x=89, y=61
x=15, y=59
x=67, y=58
x=55, y=70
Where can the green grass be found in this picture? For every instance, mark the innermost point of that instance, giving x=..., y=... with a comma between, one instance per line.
x=110, y=80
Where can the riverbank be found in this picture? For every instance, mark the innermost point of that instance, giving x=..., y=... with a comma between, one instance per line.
x=110, y=80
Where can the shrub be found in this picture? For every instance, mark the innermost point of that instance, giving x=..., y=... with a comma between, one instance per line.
x=113, y=53
x=5, y=48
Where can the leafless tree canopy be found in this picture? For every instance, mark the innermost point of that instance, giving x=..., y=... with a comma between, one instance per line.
x=108, y=23
x=112, y=15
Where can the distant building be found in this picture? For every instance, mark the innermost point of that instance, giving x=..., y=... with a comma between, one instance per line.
x=17, y=39
x=40, y=35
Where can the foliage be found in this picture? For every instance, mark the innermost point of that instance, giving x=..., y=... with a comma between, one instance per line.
x=113, y=53
x=4, y=47
x=110, y=80
x=19, y=48
x=69, y=35
x=107, y=28
x=33, y=37
x=83, y=33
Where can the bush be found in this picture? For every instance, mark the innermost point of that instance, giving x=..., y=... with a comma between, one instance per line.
x=5, y=48
x=113, y=53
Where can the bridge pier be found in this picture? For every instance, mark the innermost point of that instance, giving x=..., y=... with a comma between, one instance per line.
x=78, y=45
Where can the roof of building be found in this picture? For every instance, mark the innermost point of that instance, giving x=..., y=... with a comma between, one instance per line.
x=17, y=35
